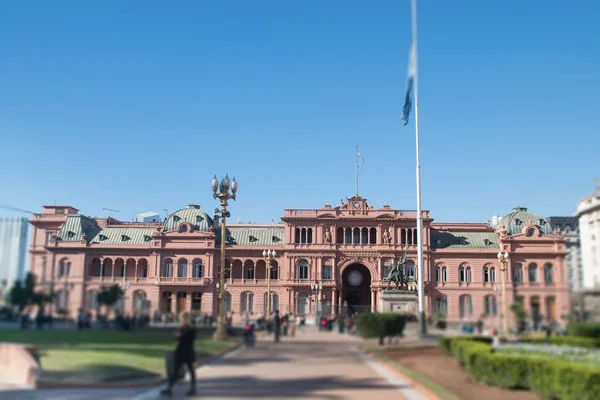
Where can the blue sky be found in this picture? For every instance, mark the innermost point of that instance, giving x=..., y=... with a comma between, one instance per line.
x=134, y=105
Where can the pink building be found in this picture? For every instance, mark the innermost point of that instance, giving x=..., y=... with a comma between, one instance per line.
x=173, y=266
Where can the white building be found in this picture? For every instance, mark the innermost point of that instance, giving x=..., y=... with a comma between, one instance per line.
x=13, y=249
x=569, y=227
x=147, y=217
x=588, y=211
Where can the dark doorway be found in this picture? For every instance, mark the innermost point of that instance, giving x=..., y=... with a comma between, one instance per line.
x=356, y=289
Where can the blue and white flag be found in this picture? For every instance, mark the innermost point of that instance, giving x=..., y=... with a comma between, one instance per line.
x=359, y=157
x=412, y=69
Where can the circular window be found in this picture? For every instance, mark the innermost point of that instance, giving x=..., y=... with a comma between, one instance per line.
x=355, y=278
x=531, y=232
x=183, y=228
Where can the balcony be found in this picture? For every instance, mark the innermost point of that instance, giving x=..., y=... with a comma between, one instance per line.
x=182, y=281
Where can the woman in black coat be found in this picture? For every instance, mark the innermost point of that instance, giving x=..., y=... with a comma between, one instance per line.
x=185, y=354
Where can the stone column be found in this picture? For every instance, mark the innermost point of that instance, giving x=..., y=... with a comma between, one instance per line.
x=372, y=300
x=334, y=301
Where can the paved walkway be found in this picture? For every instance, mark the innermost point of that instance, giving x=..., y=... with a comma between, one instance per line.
x=311, y=366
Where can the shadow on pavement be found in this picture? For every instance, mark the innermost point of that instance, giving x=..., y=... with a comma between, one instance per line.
x=250, y=387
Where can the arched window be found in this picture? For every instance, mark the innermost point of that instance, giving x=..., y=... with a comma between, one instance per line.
x=227, y=302
x=297, y=235
x=302, y=304
x=444, y=274
x=356, y=235
x=249, y=270
x=365, y=236
x=517, y=273
x=182, y=270
x=464, y=274
x=247, y=302
x=196, y=301
x=139, y=300
x=309, y=235
x=274, y=271
x=303, y=233
x=168, y=268
x=197, y=272
x=465, y=306
x=533, y=273
x=403, y=236
x=339, y=236
x=441, y=305
x=373, y=236
x=548, y=278
x=415, y=237
x=489, y=274
x=409, y=235
x=490, y=305
x=438, y=274
x=303, y=270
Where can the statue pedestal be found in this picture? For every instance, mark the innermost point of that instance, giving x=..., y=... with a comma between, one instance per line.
x=399, y=301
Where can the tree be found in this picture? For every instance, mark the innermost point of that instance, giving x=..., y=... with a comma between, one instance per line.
x=109, y=297
x=17, y=296
x=24, y=295
x=520, y=315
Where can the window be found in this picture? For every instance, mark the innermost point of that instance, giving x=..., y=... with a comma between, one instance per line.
x=274, y=272
x=168, y=270
x=464, y=274
x=348, y=239
x=274, y=303
x=385, y=272
x=548, y=278
x=303, y=270
x=183, y=229
x=247, y=302
x=533, y=273
x=441, y=305
x=327, y=275
x=465, y=306
x=144, y=271
x=490, y=305
x=70, y=234
x=92, y=300
x=489, y=274
x=302, y=305
x=444, y=274
x=409, y=270
x=356, y=235
x=309, y=235
x=517, y=273
x=182, y=271
x=373, y=236
x=59, y=211
x=197, y=272
x=227, y=302
x=48, y=237
x=365, y=236
x=438, y=274
x=61, y=268
x=297, y=235
x=249, y=271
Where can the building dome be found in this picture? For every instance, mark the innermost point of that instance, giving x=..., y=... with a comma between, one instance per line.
x=520, y=217
x=193, y=215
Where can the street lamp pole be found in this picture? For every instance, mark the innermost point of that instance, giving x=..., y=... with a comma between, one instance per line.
x=221, y=192
x=503, y=260
x=269, y=256
x=316, y=289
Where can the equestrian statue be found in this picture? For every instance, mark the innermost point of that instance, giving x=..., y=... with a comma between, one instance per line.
x=396, y=275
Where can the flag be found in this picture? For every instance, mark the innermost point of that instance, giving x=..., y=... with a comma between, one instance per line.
x=359, y=157
x=412, y=68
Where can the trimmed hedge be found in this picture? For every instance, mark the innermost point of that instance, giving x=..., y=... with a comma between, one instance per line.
x=380, y=325
x=553, y=379
x=584, y=329
x=586, y=342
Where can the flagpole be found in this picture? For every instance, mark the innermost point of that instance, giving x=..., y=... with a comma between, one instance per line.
x=357, y=170
x=421, y=276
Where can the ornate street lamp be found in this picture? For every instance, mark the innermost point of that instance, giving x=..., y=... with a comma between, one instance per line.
x=503, y=260
x=221, y=192
x=316, y=290
x=269, y=256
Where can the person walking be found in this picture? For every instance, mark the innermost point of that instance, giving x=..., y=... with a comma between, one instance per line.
x=276, y=326
x=184, y=354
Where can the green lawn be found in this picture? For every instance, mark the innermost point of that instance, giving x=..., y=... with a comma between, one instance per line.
x=104, y=355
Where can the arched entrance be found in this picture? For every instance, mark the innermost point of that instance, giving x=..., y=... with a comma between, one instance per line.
x=356, y=289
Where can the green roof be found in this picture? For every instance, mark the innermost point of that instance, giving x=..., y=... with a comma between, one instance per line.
x=124, y=236
x=75, y=226
x=193, y=215
x=464, y=240
x=520, y=217
x=266, y=237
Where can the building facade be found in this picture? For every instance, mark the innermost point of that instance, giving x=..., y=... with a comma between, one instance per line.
x=588, y=212
x=13, y=250
x=569, y=228
x=174, y=266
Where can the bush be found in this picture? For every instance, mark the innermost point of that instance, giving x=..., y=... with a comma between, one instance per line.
x=553, y=379
x=380, y=325
x=584, y=329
